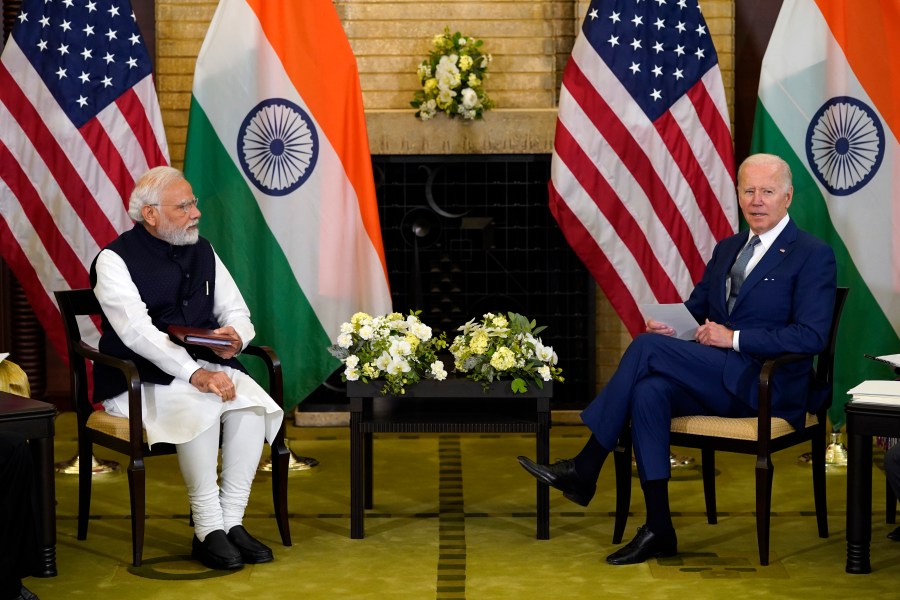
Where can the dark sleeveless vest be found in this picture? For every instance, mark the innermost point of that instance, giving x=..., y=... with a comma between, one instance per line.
x=178, y=284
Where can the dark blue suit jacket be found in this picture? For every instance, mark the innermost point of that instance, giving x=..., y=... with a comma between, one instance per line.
x=785, y=305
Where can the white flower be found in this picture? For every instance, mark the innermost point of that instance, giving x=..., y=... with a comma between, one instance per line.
x=400, y=348
x=420, y=330
x=351, y=374
x=544, y=372
x=437, y=369
x=366, y=332
x=545, y=354
x=346, y=328
x=351, y=361
x=383, y=361
x=445, y=97
x=469, y=97
x=345, y=340
x=428, y=110
x=397, y=366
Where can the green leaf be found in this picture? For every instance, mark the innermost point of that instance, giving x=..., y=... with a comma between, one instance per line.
x=518, y=386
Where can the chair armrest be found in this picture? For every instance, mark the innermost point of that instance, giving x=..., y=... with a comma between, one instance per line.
x=133, y=382
x=768, y=370
x=273, y=367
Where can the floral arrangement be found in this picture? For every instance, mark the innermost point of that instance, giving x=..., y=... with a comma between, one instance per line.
x=452, y=78
x=499, y=347
x=399, y=350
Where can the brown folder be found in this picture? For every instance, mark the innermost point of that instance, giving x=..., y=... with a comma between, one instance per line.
x=199, y=337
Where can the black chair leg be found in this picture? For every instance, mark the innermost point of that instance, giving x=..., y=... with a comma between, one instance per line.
x=137, y=491
x=280, y=459
x=764, y=473
x=85, y=452
x=819, y=495
x=708, y=457
x=622, y=460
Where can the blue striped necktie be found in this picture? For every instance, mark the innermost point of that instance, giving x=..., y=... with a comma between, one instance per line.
x=737, y=270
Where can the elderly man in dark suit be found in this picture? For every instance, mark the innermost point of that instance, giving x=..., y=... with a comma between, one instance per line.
x=764, y=292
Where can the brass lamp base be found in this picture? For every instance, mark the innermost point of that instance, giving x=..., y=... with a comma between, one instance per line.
x=835, y=455
x=295, y=462
x=98, y=466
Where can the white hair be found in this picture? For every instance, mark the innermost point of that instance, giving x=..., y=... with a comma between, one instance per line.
x=149, y=187
x=787, y=178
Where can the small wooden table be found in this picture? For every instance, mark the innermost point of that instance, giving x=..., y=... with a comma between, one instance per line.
x=451, y=406
x=34, y=420
x=864, y=421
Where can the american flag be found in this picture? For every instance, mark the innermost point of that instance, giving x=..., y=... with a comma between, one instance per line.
x=642, y=175
x=79, y=122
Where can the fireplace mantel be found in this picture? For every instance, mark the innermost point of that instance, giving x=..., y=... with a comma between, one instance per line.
x=502, y=131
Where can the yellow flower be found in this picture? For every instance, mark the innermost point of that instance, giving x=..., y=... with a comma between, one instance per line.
x=479, y=343
x=359, y=318
x=503, y=359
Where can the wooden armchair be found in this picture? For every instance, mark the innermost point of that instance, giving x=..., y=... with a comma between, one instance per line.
x=762, y=436
x=127, y=435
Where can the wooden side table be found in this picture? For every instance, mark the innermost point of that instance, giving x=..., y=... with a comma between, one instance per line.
x=864, y=421
x=451, y=406
x=34, y=419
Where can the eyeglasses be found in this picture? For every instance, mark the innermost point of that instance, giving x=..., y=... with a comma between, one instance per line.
x=185, y=206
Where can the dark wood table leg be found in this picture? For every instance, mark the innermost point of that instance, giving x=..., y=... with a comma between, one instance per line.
x=859, y=502
x=357, y=467
x=542, y=437
x=367, y=463
x=42, y=455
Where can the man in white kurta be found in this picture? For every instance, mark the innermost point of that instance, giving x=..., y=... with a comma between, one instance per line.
x=141, y=281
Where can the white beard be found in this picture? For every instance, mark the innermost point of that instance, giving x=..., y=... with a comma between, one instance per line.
x=175, y=236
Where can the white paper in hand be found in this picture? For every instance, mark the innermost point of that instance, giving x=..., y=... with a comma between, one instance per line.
x=676, y=316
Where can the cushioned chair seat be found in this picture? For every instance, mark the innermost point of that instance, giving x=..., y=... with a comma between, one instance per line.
x=117, y=427
x=739, y=429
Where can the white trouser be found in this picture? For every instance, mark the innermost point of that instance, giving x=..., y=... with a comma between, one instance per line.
x=215, y=507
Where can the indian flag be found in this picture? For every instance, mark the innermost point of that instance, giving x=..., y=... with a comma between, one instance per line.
x=277, y=153
x=828, y=105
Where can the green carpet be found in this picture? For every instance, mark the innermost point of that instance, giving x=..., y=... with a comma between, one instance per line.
x=454, y=518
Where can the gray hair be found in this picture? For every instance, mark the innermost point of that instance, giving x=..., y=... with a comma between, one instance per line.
x=787, y=177
x=149, y=187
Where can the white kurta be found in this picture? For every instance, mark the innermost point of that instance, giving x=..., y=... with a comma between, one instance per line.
x=178, y=412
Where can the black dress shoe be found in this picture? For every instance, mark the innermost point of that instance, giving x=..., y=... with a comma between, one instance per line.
x=252, y=550
x=645, y=544
x=562, y=476
x=216, y=552
x=894, y=536
x=26, y=594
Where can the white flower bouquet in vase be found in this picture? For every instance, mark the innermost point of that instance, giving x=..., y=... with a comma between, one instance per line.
x=392, y=348
x=452, y=78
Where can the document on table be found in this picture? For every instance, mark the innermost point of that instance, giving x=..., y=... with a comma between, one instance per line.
x=877, y=392
x=676, y=316
x=890, y=359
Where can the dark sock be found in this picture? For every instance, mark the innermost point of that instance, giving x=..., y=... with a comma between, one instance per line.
x=656, y=497
x=590, y=460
